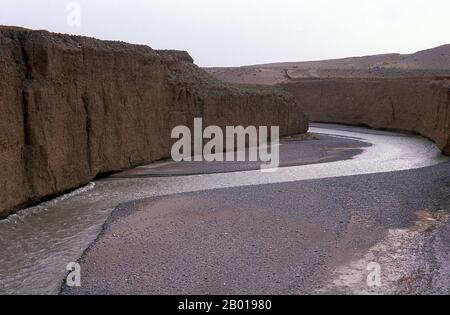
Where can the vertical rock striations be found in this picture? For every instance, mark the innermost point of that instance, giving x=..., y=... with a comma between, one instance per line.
x=75, y=107
x=420, y=105
x=389, y=91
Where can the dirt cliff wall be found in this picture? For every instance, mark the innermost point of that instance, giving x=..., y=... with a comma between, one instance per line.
x=74, y=107
x=418, y=105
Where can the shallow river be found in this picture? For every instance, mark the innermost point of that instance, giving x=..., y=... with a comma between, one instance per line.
x=37, y=243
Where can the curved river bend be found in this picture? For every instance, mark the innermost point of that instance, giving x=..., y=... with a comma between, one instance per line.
x=37, y=243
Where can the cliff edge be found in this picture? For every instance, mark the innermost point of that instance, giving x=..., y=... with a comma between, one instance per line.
x=390, y=91
x=75, y=107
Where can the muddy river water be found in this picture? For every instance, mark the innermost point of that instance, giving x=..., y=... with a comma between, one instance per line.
x=37, y=243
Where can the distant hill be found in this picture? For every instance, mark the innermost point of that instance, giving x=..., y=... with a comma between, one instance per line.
x=435, y=58
x=431, y=62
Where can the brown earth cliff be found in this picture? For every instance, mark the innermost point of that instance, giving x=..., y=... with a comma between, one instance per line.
x=415, y=105
x=75, y=107
x=391, y=91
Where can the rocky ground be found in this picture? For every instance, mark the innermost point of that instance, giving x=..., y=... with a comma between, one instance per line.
x=306, y=237
x=316, y=236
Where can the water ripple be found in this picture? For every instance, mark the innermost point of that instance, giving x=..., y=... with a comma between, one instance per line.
x=37, y=243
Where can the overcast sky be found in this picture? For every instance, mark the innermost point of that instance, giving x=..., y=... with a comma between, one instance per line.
x=240, y=32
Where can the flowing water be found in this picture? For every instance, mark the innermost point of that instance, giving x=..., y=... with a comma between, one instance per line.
x=37, y=243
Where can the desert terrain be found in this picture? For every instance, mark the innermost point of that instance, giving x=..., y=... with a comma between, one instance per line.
x=88, y=179
x=430, y=63
x=390, y=91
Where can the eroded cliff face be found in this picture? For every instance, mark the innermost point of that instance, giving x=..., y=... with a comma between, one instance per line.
x=388, y=91
x=75, y=107
x=417, y=105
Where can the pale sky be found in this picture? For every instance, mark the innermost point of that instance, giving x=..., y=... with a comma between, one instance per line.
x=241, y=32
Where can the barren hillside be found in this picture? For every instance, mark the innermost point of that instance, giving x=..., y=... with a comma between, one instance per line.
x=427, y=63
